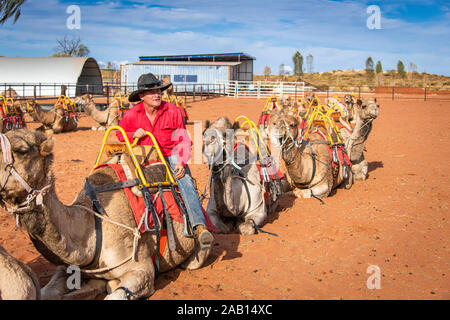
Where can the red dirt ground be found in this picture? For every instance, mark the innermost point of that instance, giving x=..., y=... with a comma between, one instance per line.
x=397, y=219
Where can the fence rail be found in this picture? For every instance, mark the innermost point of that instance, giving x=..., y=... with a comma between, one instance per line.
x=237, y=89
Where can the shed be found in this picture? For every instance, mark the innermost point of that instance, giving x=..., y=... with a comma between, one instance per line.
x=199, y=68
x=46, y=75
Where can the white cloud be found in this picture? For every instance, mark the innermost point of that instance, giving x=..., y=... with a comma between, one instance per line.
x=334, y=32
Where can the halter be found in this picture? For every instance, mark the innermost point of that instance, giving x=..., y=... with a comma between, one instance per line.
x=33, y=194
x=293, y=142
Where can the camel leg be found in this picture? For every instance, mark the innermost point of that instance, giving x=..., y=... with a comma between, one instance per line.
x=360, y=170
x=259, y=217
x=320, y=191
x=214, y=214
x=135, y=284
x=88, y=290
x=57, y=286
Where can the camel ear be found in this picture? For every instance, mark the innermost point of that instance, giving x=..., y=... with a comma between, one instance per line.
x=47, y=147
x=235, y=126
x=375, y=99
x=359, y=102
x=207, y=124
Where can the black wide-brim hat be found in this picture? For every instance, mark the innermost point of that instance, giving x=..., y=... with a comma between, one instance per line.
x=146, y=82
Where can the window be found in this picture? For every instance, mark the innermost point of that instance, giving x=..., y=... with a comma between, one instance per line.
x=185, y=78
x=179, y=78
x=192, y=78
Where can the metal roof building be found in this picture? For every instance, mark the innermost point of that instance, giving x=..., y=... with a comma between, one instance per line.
x=199, y=68
x=24, y=74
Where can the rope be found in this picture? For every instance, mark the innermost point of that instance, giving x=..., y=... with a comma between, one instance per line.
x=135, y=232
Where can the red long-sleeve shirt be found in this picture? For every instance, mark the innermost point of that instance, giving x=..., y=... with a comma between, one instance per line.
x=168, y=128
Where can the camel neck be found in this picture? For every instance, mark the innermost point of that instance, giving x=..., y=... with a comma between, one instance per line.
x=58, y=230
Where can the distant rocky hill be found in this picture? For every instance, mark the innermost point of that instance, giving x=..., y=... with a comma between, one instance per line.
x=353, y=79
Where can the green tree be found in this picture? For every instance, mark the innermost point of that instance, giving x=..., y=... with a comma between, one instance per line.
x=379, y=67
x=267, y=72
x=298, y=64
x=370, y=73
x=70, y=48
x=281, y=70
x=10, y=8
x=379, y=71
x=401, y=69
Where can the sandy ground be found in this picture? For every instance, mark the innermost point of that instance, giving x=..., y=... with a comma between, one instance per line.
x=396, y=220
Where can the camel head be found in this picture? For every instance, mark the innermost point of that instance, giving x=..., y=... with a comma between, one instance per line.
x=368, y=108
x=282, y=129
x=349, y=99
x=30, y=155
x=218, y=137
x=83, y=100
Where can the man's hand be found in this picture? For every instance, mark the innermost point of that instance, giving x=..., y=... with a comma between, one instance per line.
x=139, y=133
x=179, y=171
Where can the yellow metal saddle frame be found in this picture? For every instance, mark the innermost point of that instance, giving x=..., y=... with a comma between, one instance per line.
x=135, y=152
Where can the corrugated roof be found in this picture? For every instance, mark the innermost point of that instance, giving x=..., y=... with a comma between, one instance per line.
x=237, y=56
x=188, y=63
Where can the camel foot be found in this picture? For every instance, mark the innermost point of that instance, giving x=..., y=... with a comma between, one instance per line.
x=246, y=228
x=57, y=286
x=118, y=294
x=88, y=291
x=303, y=193
x=94, y=128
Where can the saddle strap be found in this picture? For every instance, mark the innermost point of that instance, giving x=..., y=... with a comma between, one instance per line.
x=168, y=220
x=90, y=192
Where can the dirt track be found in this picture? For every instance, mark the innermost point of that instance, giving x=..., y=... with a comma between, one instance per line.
x=397, y=219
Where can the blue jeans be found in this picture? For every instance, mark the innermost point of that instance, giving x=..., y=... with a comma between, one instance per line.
x=189, y=194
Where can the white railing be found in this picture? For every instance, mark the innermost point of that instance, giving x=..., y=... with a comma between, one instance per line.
x=263, y=89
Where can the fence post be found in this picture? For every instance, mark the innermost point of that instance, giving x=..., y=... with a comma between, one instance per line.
x=40, y=93
x=107, y=95
x=34, y=92
x=201, y=93
x=185, y=94
x=23, y=90
x=425, y=98
x=208, y=90
x=193, y=93
x=392, y=93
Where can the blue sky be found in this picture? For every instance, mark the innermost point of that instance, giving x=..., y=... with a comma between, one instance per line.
x=334, y=32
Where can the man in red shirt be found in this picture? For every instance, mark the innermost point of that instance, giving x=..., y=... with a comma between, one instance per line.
x=165, y=122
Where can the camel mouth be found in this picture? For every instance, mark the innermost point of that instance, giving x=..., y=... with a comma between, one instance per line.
x=276, y=139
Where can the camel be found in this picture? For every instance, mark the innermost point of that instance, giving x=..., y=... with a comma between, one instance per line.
x=54, y=120
x=310, y=172
x=105, y=118
x=14, y=120
x=350, y=102
x=110, y=252
x=366, y=111
x=337, y=106
x=9, y=93
x=17, y=281
x=236, y=195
